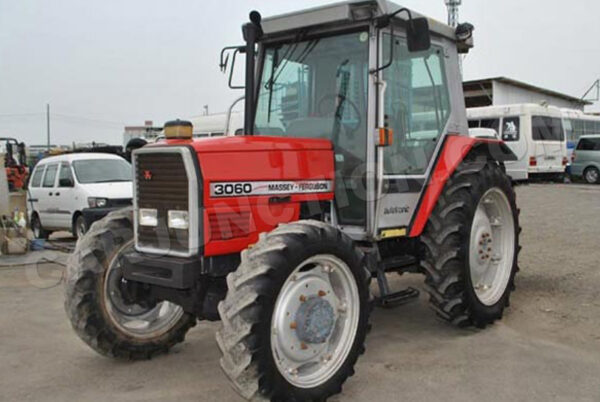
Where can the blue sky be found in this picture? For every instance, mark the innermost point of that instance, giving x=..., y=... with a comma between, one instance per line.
x=104, y=64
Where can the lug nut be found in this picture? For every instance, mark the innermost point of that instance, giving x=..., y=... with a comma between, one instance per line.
x=322, y=293
x=302, y=298
x=293, y=325
x=303, y=346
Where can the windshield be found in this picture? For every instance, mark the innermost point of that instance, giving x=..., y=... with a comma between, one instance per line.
x=317, y=89
x=102, y=170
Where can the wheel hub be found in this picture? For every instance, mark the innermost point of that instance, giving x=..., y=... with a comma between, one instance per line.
x=315, y=320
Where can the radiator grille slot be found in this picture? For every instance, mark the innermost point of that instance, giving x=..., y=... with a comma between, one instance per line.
x=162, y=184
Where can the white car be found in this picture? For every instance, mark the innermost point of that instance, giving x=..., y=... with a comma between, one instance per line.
x=69, y=192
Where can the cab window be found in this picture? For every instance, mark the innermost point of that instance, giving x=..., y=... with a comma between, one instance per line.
x=36, y=180
x=50, y=176
x=417, y=106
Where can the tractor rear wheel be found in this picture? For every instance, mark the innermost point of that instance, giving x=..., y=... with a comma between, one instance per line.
x=97, y=301
x=296, y=314
x=471, y=245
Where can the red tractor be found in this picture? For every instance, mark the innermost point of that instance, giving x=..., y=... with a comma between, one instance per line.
x=355, y=163
x=15, y=163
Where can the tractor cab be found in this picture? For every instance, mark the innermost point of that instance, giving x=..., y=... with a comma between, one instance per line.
x=378, y=81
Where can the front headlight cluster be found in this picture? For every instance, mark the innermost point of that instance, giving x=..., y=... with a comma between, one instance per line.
x=176, y=219
x=96, y=202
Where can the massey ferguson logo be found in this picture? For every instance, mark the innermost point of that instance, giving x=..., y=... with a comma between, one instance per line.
x=147, y=175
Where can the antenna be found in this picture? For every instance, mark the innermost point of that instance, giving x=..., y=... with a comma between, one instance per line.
x=453, y=12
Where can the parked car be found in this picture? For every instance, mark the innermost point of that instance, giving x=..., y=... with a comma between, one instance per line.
x=70, y=192
x=585, y=161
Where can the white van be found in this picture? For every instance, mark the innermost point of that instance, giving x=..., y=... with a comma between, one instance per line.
x=69, y=192
x=535, y=133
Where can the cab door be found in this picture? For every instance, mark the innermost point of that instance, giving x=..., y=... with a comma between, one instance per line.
x=65, y=197
x=46, y=199
x=417, y=107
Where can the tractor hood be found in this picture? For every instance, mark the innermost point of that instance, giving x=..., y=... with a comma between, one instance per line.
x=253, y=144
x=254, y=183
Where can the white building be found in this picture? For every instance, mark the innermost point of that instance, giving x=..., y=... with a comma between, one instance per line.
x=500, y=91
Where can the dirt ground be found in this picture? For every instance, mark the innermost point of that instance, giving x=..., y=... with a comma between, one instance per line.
x=547, y=347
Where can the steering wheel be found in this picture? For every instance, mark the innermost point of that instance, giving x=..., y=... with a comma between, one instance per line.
x=341, y=99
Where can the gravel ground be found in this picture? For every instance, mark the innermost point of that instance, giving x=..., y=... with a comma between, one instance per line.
x=547, y=347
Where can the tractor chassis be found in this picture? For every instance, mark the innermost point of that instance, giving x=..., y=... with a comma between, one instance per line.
x=199, y=284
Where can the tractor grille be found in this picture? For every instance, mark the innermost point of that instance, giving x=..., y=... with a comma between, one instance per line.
x=162, y=183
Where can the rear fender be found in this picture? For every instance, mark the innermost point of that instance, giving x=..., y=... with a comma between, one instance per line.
x=455, y=149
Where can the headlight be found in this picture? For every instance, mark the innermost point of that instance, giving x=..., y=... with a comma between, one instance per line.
x=148, y=217
x=178, y=220
x=95, y=202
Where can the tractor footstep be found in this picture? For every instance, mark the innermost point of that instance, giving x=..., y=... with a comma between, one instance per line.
x=399, y=298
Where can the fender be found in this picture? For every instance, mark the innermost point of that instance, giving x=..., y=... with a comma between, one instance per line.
x=454, y=151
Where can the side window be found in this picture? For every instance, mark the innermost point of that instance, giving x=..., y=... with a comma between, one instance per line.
x=590, y=127
x=491, y=123
x=65, y=177
x=417, y=106
x=511, y=128
x=545, y=128
x=589, y=144
x=36, y=180
x=473, y=123
x=50, y=176
x=578, y=129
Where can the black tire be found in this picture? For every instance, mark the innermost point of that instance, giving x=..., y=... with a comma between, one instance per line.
x=446, y=242
x=38, y=230
x=85, y=302
x=588, y=175
x=79, y=227
x=246, y=312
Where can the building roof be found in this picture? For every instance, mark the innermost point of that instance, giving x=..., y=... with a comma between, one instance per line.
x=524, y=85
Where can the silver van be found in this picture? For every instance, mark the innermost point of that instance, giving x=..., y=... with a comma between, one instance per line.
x=585, y=161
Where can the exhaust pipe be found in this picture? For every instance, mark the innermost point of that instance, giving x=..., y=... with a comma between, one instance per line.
x=252, y=31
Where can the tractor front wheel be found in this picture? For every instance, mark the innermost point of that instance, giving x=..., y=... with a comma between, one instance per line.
x=296, y=314
x=98, y=303
x=471, y=245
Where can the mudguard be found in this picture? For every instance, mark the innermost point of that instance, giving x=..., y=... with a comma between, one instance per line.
x=454, y=151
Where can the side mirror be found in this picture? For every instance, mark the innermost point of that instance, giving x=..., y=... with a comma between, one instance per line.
x=66, y=183
x=418, y=35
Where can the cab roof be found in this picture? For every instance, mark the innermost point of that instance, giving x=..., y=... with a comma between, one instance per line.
x=346, y=12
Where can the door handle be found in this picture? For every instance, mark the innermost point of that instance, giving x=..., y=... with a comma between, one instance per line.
x=50, y=193
x=57, y=194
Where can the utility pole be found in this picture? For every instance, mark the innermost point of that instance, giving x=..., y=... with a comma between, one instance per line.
x=48, y=126
x=453, y=12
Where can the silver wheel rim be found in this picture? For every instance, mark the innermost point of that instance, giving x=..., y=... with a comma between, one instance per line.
x=327, y=280
x=132, y=319
x=80, y=228
x=591, y=175
x=492, y=247
x=36, y=229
